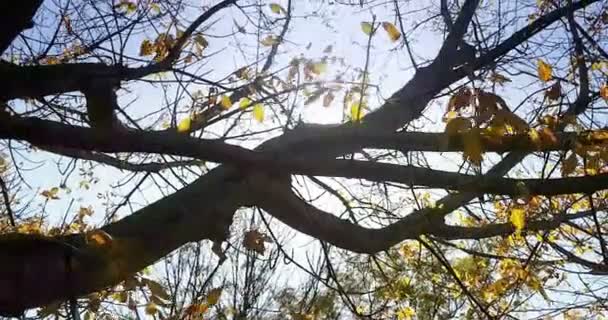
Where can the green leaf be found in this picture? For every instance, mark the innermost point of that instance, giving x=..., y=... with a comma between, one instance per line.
x=226, y=103
x=367, y=28
x=276, y=8
x=244, y=103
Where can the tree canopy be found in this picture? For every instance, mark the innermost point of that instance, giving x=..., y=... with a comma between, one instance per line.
x=252, y=159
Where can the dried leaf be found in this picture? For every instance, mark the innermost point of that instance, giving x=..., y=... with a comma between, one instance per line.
x=458, y=125
x=460, y=100
x=392, y=31
x=146, y=48
x=555, y=92
x=254, y=240
x=473, y=148
x=592, y=164
x=545, y=71
x=99, y=238
x=569, y=165
x=498, y=78
x=214, y=296
x=547, y=137
x=604, y=91
x=51, y=194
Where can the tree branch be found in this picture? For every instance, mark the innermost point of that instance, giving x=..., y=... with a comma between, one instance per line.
x=16, y=17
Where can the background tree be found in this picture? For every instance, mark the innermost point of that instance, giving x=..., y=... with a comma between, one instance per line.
x=437, y=160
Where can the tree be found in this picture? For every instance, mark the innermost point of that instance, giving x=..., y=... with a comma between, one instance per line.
x=523, y=85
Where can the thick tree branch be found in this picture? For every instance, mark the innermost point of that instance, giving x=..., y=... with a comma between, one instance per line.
x=64, y=138
x=281, y=203
x=37, y=81
x=16, y=17
x=411, y=175
x=57, y=135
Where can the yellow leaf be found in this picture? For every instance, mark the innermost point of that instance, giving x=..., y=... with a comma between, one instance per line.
x=473, y=149
x=184, y=125
x=258, y=112
x=604, y=91
x=406, y=313
x=449, y=116
x=214, y=296
x=544, y=71
x=535, y=137
x=276, y=8
x=392, y=31
x=356, y=112
x=457, y=125
x=244, y=103
x=367, y=28
x=518, y=218
x=151, y=309
x=99, y=238
x=226, y=103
